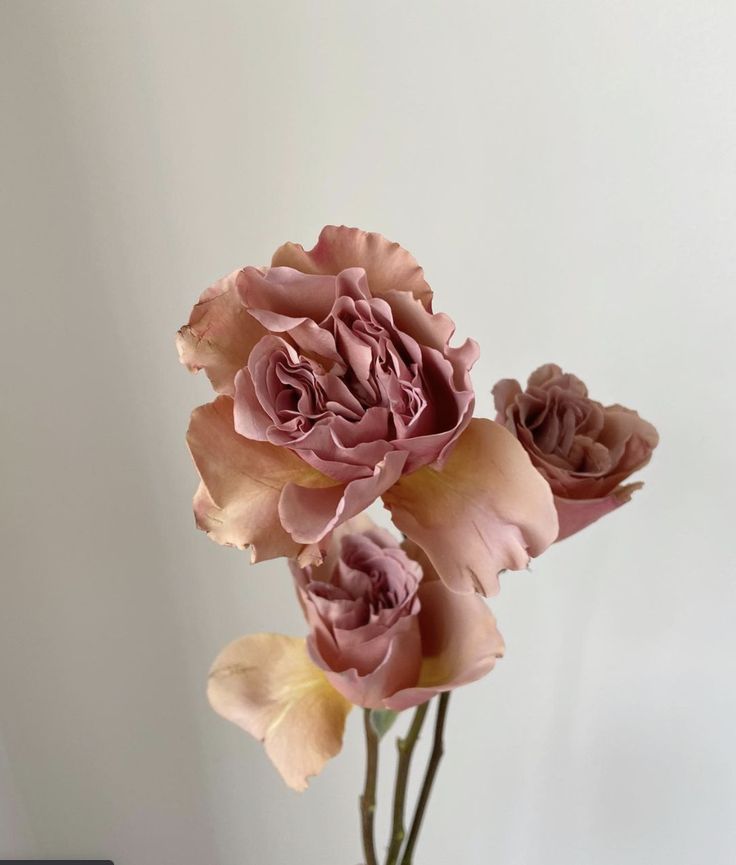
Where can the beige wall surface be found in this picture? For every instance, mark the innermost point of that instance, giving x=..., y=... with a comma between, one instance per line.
x=566, y=174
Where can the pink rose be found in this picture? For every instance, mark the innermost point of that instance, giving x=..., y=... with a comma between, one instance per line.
x=584, y=449
x=338, y=385
x=387, y=634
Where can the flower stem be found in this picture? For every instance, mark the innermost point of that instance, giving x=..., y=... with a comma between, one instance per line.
x=405, y=747
x=438, y=750
x=368, y=799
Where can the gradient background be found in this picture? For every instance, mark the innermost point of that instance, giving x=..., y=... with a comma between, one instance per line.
x=566, y=173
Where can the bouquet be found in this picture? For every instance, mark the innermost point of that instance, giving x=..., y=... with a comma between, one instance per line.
x=337, y=386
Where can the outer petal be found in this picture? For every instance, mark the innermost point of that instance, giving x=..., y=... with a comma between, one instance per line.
x=488, y=509
x=242, y=481
x=267, y=685
x=399, y=668
x=387, y=264
x=460, y=644
x=505, y=392
x=309, y=513
x=219, y=335
x=576, y=514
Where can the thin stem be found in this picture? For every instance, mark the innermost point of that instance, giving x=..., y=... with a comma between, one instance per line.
x=438, y=750
x=405, y=747
x=368, y=799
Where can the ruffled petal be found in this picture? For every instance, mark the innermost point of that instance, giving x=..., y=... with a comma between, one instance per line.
x=285, y=300
x=219, y=335
x=388, y=265
x=309, y=513
x=433, y=330
x=577, y=514
x=487, y=510
x=268, y=686
x=460, y=644
x=242, y=480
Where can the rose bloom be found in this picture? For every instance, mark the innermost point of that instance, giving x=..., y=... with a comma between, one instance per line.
x=584, y=449
x=338, y=385
x=385, y=632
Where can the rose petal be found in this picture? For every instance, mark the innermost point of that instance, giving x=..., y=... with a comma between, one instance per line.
x=576, y=514
x=285, y=300
x=460, y=644
x=399, y=669
x=220, y=335
x=550, y=373
x=487, y=510
x=434, y=331
x=388, y=265
x=242, y=482
x=268, y=686
x=323, y=570
x=310, y=513
x=287, y=292
x=505, y=392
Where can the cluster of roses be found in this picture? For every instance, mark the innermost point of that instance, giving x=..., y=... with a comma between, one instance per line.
x=337, y=385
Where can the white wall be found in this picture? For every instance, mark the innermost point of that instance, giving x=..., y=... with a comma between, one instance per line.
x=565, y=172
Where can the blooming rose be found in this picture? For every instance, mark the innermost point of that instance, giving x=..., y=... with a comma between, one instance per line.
x=386, y=637
x=584, y=449
x=385, y=632
x=338, y=385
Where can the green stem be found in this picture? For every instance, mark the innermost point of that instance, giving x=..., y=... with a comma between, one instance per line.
x=405, y=747
x=368, y=799
x=438, y=750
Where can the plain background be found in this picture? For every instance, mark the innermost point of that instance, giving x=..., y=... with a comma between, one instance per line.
x=566, y=173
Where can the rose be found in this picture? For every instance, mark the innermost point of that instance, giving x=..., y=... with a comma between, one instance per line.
x=338, y=385
x=385, y=633
x=584, y=449
x=387, y=636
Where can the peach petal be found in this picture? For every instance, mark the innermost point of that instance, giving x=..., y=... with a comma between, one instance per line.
x=487, y=510
x=268, y=686
x=388, y=265
x=242, y=481
x=460, y=644
x=577, y=514
x=310, y=513
x=219, y=335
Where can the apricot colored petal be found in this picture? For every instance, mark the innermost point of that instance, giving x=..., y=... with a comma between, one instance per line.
x=577, y=514
x=388, y=265
x=310, y=513
x=268, y=686
x=242, y=481
x=460, y=644
x=219, y=335
x=487, y=510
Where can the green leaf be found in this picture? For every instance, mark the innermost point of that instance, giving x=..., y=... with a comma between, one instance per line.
x=382, y=720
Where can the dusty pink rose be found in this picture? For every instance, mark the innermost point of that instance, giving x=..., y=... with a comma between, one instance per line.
x=584, y=449
x=385, y=630
x=338, y=385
